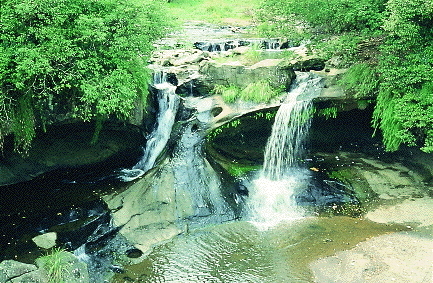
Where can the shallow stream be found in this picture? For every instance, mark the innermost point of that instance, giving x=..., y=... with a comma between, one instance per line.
x=239, y=252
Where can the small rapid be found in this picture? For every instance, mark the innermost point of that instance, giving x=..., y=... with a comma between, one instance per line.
x=168, y=103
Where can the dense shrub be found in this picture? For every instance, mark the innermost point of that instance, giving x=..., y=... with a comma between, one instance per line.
x=397, y=65
x=90, y=54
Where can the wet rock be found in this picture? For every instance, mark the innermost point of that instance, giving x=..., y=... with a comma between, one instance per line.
x=147, y=211
x=322, y=193
x=182, y=191
x=134, y=253
x=117, y=269
x=416, y=212
x=46, y=241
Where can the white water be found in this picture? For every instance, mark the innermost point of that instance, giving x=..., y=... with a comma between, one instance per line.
x=168, y=102
x=285, y=146
x=271, y=199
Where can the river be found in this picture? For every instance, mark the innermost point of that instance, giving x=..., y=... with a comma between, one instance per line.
x=319, y=192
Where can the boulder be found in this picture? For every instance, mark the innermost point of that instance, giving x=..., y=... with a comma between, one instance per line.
x=315, y=64
x=46, y=241
x=10, y=269
x=277, y=71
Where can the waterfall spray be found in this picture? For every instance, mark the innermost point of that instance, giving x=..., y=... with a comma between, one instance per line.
x=272, y=197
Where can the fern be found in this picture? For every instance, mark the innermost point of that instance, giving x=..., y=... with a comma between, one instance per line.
x=361, y=79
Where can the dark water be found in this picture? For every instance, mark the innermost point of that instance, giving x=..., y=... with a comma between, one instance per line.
x=66, y=201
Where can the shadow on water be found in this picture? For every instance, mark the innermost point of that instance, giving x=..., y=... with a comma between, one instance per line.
x=66, y=201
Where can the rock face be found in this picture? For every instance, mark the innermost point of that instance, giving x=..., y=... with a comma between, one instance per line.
x=72, y=270
x=66, y=146
x=168, y=200
x=182, y=191
x=277, y=71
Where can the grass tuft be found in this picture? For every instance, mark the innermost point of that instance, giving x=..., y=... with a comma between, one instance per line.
x=55, y=263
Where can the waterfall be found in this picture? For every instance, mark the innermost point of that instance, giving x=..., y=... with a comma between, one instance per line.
x=272, y=196
x=168, y=102
x=285, y=147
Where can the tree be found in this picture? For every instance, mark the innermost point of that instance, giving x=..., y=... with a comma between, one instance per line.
x=399, y=67
x=404, y=109
x=83, y=57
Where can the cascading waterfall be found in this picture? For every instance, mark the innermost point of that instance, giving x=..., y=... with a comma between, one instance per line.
x=285, y=147
x=168, y=102
x=272, y=196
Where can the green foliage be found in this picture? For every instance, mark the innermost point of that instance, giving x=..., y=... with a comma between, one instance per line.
x=361, y=79
x=258, y=92
x=343, y=46
x=229, y=93
x=404, y=109
x=90, y=54
x=214, y=11
x=23, y=125
x=268, y=115
x=253, y=55
x=334, y=16
x=239, y=170
x=329, y=112
x=56, y=265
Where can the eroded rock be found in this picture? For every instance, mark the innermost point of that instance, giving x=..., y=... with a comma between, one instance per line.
x=416, y=212
x=397, y=257
x=277, y=72
x=66, y=146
